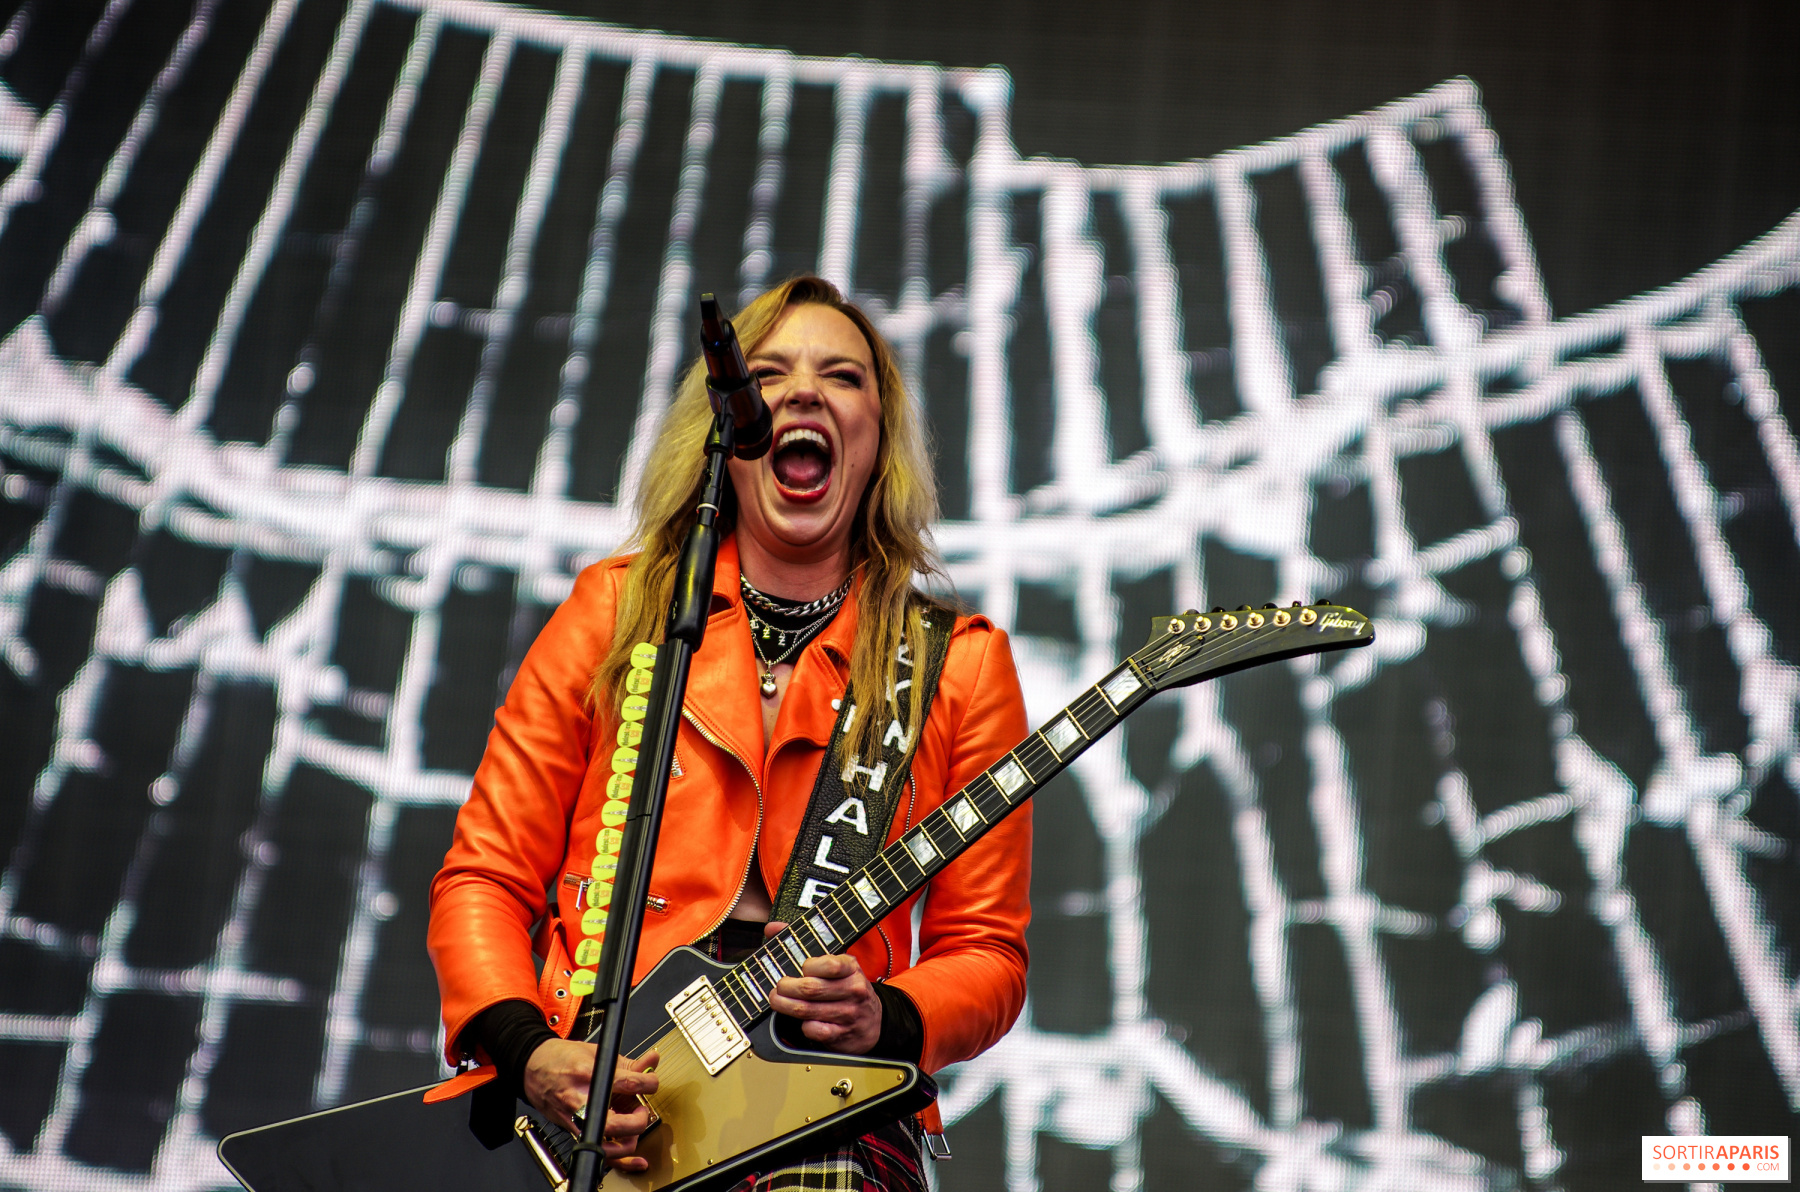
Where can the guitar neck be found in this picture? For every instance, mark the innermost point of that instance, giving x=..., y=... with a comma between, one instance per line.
x=870, y=894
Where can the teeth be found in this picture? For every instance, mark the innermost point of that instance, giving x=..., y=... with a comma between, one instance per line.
x=803, y=434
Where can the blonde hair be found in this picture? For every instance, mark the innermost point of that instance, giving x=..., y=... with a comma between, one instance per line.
x=890, y=541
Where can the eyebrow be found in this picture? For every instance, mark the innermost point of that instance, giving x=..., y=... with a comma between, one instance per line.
x=828, y=362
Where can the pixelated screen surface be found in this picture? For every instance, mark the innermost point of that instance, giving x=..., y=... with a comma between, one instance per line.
x=335, y=335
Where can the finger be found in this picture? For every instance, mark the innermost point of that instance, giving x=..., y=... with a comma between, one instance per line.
x=831, y=967
x=627, y=1125
x=814, y=1011
x=619, y=1155
x=632, y=1084
x=820, y=989
x=824, y=1032
x=771, y=929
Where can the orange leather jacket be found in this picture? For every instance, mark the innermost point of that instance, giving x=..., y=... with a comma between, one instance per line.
x=527, y=832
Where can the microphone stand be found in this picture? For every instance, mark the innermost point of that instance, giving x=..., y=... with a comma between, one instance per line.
x=618, y=950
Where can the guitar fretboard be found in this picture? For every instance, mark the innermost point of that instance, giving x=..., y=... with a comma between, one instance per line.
x=871, y=893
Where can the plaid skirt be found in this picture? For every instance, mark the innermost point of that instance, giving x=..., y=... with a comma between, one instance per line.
x=883, y=1160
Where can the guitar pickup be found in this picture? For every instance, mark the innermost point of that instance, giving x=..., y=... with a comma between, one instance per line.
x=707, y=1026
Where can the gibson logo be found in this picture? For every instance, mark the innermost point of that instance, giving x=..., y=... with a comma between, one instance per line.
x=1339, y=621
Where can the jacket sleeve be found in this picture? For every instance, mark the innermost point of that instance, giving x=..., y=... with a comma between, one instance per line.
x=511, y=835
x=969, y=982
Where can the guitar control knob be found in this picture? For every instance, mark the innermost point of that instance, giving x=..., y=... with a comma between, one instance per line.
x=842, y=1088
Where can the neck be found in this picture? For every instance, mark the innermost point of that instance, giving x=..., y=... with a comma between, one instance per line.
x=791, y=579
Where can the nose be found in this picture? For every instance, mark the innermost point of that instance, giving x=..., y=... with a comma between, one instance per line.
x=801, y=388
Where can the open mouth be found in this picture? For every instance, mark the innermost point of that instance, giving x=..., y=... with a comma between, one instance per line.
x=802, y=462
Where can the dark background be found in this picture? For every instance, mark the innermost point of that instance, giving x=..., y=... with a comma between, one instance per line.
x=1645, y=141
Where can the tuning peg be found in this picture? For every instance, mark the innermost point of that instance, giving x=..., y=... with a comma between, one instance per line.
x=1268, y=606
x=1192, y=612
x=1296, y=604
x=1217, y=609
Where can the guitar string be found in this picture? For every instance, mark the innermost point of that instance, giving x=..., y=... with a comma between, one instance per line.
x=1032, y=753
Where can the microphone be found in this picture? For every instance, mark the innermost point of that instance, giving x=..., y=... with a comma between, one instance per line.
x=730, y=384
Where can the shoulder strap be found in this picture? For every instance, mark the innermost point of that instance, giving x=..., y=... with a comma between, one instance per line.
x=853, y=805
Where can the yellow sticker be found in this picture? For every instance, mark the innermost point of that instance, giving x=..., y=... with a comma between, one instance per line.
x=582, y=983
x=593, y=921
x=598, y=896
x=612, y=812
x=644, y=654
x=605, y=867
x=624, y=760
x=618, y=786
x=587, y=952
x=635, y=707
x=630, y=733
x=608, y=840
x=637, y=681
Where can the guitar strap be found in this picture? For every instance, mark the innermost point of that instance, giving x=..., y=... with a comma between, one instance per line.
x=853, y=805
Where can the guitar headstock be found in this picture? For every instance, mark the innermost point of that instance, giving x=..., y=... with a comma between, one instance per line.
x=1191, y=646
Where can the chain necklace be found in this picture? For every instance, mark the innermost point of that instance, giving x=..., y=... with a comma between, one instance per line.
x=787, y=608
x=774, y=642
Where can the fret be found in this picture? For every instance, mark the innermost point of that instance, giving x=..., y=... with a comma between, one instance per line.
x=923, y=849
x=1121, y=685
x=964, y=816
x=1010, y=777
x=830, y=904
x=817, y=947
x=1092, y=714
x=1038, y=759
x=866, y=890
x=882, y=856
x=1062, y=734
x=988, y=800
x=741, y=1007
x=882, y=882
x=942, y=834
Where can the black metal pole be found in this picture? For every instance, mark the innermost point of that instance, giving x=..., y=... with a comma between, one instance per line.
x=618, y=951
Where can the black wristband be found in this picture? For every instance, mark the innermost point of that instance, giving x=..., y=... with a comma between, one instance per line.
x=509, y=1032
x=902, y=1030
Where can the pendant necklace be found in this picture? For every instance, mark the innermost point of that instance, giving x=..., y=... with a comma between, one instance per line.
x=783, y=627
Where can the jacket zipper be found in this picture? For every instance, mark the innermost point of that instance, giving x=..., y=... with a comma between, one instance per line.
x=912, y=795
x=743, y=881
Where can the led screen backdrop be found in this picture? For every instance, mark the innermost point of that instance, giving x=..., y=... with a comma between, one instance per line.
x=333, y=335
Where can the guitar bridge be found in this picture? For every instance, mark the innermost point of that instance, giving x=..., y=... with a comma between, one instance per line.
x=539, y=1147
x=707, y=1026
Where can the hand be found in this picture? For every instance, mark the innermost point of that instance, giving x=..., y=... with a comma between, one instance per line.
x=557, y=1079
x=835, y=1003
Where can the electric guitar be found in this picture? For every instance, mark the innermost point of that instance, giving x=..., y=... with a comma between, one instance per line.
x=736, y=1096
